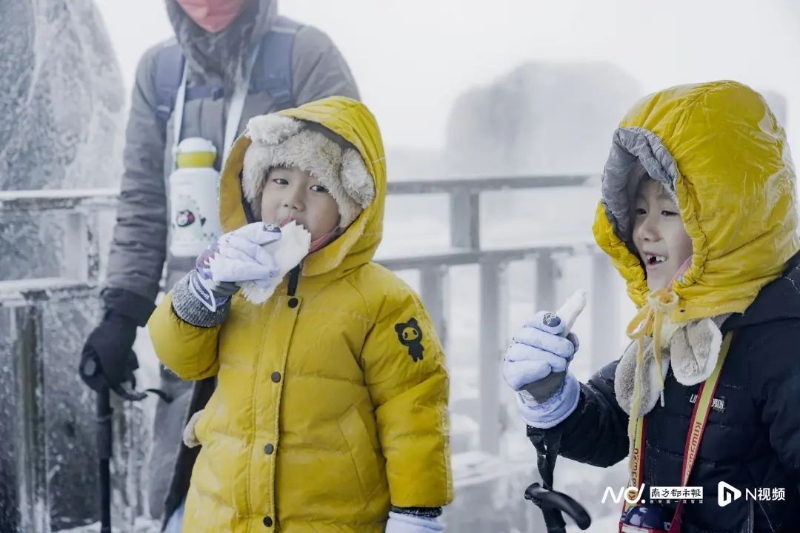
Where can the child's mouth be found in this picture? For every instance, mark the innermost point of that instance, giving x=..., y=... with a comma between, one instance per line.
x=652, y=261
x=285, y=220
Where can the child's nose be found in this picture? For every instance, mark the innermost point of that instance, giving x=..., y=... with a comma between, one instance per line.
x=294, y=201
x=648, y=229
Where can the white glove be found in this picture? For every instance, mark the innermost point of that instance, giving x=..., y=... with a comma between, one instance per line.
x=536, y=365
x=287, y=254
x=246, y=254
x=539, y=349
x=407, y=523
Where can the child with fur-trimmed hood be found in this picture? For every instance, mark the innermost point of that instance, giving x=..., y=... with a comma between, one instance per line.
x=698, y=214
x=330, y=411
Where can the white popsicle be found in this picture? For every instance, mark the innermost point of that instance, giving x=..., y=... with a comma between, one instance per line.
x=568, y=313
x=573, y=307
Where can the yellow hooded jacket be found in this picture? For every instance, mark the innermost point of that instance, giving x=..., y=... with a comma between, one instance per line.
x=723, y=156
x=720, y=151
x=323, y=415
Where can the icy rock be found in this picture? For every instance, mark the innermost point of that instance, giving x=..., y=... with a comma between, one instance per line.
x=61, y=119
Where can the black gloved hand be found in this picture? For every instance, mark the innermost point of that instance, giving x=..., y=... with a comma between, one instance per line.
x=108, y=359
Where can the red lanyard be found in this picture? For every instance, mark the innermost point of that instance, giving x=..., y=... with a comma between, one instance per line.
x=697, y=426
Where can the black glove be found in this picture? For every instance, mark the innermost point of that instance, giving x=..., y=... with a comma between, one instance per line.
x=108, y=359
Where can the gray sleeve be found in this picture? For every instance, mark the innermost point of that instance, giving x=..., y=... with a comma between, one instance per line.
x=138, y=249
x=319, y=68
x=191, y=311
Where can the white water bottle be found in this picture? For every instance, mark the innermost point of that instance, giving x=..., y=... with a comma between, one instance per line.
x=194, y=198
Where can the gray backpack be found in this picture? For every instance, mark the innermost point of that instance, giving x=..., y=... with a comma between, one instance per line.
x=273, y=71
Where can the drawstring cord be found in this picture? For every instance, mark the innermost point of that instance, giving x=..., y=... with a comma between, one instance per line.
x=648, y=322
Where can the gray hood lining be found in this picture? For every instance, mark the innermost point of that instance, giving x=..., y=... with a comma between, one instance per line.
x=220, y=57
x=636, y=153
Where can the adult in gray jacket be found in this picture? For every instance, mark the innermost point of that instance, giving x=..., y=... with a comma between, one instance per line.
x=186, y=88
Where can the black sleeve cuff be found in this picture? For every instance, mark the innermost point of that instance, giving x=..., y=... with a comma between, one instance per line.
x=129, y=304
x=427, y=512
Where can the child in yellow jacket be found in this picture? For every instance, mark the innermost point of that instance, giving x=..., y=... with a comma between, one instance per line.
x=330, y=412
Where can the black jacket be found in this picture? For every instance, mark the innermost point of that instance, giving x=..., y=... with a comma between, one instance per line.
x=752, y=442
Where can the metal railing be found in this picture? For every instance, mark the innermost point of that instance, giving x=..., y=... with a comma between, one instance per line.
x=81, y=269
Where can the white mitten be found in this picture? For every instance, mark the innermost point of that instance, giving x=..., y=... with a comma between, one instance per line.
x=189, y=436
x=287, y=253
x=244, y=255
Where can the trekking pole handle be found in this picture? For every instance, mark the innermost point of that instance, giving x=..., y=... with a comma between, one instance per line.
x=553, y=500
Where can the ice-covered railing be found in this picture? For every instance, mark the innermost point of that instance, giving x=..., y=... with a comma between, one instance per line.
x=43, y=321
x=81, y=267
x=81, y=263
x=466, y=248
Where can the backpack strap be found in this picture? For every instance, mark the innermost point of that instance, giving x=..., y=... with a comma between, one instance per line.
x=169, y=71
x=273, y=73
x=274, y=64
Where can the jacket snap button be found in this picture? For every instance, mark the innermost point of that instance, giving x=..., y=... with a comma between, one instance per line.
x=268, y=521
x=292, y=302
x=276, y=376
x=268, y=449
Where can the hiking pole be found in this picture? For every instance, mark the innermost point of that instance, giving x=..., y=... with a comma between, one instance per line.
x=92, y=373
x=552, y=502
x=104, y=436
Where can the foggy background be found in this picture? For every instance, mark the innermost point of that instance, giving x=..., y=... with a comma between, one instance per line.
x=460, y=89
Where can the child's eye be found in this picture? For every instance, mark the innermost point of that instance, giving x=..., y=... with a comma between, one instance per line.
x=280, y=181
x=669, y=213
x=319, y=188
x=640, y=211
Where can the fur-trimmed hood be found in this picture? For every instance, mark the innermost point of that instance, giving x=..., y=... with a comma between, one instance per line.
x=287, y=137
x=692, y=351
x=278, y=141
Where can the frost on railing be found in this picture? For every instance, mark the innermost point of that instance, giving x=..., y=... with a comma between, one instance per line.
x=48, y=463
x=49, y=460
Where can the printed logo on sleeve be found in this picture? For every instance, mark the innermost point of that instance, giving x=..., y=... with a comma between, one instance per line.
x=410, y=335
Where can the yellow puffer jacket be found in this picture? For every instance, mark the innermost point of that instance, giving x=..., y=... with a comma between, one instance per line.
x=720, y=150
x=323, y=415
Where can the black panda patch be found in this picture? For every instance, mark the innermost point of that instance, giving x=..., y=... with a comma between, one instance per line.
x=410, y=335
